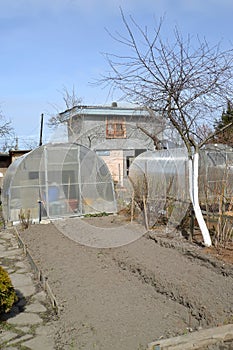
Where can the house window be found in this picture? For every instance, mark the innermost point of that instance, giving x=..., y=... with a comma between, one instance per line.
x=103, y=153
x=115, y=128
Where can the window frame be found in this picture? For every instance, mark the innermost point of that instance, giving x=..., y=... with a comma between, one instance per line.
x=115, y=128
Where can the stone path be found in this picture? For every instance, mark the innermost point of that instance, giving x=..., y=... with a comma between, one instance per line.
x=29, y=324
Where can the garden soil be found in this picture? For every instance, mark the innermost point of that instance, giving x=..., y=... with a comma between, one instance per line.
x=124, y=298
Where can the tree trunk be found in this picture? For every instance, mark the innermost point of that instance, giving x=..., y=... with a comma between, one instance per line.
x=193, y=191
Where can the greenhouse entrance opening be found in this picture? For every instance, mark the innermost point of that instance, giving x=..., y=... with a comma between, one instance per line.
x=58, y=180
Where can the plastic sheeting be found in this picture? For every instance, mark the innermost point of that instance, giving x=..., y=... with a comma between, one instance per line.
x=160, y=180
x=216, y=178
x=57, y=180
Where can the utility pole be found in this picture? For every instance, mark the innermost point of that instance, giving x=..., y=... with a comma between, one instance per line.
x=41, y=129
x=16, y=144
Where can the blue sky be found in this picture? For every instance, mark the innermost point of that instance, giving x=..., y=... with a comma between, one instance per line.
x=47, y=45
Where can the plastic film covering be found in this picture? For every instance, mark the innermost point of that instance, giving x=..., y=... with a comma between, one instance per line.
x=57, y=180
x=160, y=182
x=216, y=179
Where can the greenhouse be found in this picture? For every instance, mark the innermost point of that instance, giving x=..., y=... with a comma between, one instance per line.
x=160, y=180
x=57, y=180
x=216, y=176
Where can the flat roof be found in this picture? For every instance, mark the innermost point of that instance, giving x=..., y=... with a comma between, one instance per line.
x=106, y=110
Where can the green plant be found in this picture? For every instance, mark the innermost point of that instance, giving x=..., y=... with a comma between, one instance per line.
x=7, y=293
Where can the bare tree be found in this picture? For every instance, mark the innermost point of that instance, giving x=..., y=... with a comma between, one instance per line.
x=6, y=133
x=186, y=82
x=157, y=142
x=5, y=127
x=70, y=100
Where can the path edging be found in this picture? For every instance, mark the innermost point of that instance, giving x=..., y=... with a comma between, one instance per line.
x=38, y=273
x=196, y=340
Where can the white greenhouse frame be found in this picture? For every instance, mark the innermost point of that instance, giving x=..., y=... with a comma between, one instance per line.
x=161, y=185
x=57, y=180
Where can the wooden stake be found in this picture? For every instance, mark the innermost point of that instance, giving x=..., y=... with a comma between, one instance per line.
x=145, y=212
x=132, y=207
x=68, y=195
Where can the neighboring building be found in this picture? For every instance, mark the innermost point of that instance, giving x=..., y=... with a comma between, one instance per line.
x=113, y=132
x=14, y=154
x=6, y=159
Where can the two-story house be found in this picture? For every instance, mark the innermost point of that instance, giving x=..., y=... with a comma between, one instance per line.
x=117, y=134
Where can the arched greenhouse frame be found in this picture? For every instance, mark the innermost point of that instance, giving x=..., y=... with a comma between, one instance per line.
x=57, y=180
x=160, y=180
